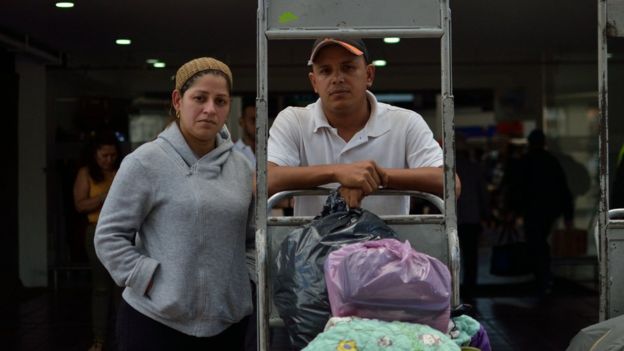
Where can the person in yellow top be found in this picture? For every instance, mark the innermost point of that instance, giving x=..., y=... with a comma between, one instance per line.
x=90, y=189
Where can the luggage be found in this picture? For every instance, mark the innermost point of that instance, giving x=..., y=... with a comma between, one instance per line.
x=388, y=280
x=467, y=332
x=604, y=336
x=299, y=290
x=350, y=334
x=509, y=253
x=569, y=243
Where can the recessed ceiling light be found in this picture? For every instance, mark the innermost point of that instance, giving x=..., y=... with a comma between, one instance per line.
x=159, y=64
x=151, y=61
x=64, y=4
x=392, y=40
x=123, y=41
x=379, y=63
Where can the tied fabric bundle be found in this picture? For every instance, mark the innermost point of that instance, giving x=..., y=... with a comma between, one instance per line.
x=388, y=280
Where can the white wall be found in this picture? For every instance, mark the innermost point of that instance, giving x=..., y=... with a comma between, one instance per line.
x=32, y=215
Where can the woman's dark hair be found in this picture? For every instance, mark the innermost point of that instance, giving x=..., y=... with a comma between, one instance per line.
x=100, y=139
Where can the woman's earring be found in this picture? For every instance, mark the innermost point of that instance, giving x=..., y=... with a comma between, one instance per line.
x=178, y=114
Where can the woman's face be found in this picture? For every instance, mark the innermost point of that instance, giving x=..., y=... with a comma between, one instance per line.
x=106, y=156
x=203, y=109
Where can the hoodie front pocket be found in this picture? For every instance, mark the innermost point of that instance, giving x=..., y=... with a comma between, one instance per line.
x=171, y=294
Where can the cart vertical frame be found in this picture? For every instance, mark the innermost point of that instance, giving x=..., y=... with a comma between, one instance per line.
x=610, y=224
x=306, y=19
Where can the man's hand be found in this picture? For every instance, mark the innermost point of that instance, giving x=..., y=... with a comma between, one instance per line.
x=352, y=196
x=363, y=175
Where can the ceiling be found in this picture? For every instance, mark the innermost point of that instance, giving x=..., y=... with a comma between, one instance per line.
x=483, y=30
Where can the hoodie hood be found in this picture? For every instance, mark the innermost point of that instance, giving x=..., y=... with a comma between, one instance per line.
x=209, y=165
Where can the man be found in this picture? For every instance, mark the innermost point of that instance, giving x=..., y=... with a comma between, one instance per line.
x=246, y=145
x=541, y=195
x=247, y=142
x=617, y=194
x=472, y=212
x=347, y=138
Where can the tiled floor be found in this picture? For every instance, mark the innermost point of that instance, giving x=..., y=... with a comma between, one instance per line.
x=44, y=320
x=516, y=319
x=527, y=323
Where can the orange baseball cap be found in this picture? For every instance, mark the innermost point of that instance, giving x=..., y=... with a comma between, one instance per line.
x=354, y=46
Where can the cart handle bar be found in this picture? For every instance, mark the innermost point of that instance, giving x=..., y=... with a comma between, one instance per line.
x=433, y=199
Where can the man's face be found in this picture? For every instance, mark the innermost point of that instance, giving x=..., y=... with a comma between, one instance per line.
x=248, y=122
x=341, y=79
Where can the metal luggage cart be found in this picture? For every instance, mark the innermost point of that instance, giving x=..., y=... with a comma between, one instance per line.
x=307, y=19
x=610, y=223
x=425, y=233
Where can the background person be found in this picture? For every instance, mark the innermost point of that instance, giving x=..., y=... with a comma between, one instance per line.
x=173, y=228
x=541, y=195
x=246, y=144
x=617, y=194
x=472, y=213
x=90, y=189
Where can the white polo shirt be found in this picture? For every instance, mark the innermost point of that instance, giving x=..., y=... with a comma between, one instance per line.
x=393, y=137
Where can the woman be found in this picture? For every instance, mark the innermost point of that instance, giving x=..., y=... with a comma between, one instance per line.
x=90, y=188
x=173, y=228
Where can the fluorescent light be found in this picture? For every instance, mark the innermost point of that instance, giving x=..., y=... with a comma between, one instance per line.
x=64, y=4
x=159, y=64
x=151, y=61
x=379, y=63
x=123, y=41
x=393, y=98
x=392, y=40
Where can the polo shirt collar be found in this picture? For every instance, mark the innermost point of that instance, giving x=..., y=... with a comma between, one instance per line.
x=320, y=121
x=375, y=126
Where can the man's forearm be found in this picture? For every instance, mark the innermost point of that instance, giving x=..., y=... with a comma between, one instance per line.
x=426, y=179
x=363, y=175
x=282, y=178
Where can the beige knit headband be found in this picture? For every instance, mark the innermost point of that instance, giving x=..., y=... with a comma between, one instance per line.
x=201, y=64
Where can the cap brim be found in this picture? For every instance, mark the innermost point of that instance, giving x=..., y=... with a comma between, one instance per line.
x=329, y=41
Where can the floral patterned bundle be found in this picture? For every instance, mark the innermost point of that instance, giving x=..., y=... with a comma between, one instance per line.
x=360, y=334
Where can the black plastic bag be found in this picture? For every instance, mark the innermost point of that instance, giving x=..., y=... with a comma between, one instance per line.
x=299, y=290
x=509, y=255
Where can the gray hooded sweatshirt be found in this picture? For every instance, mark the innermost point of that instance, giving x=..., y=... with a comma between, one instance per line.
x=180, y=222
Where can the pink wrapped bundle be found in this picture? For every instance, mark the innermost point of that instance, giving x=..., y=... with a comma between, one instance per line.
x=388, y=280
